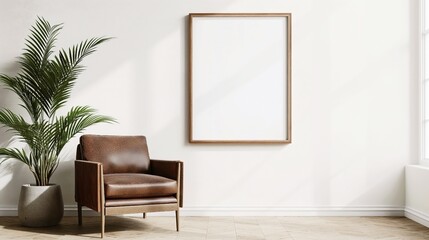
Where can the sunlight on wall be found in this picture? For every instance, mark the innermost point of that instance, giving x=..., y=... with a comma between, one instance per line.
x=162, y=83
x=111, y=95
x=5, y=177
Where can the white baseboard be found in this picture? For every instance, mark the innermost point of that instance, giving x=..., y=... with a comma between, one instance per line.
x=417, y=216
x=8, y=211
x=294, y=211
x=70, y=210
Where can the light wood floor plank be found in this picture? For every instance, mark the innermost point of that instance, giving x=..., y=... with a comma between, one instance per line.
x=224, y=228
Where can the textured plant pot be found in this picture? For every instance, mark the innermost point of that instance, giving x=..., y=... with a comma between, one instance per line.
x=40, y=206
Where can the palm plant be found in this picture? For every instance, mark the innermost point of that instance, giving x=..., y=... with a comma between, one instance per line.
x=44, y=85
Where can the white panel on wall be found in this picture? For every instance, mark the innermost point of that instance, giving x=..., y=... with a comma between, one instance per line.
x=417, y=193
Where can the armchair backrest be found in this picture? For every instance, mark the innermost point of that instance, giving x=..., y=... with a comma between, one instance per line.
x=118, y=154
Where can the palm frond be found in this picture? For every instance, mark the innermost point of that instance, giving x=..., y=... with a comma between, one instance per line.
x=18, y=86
x=67, y=65
x=17, y=125
x=35, y=59
x=14, y=153
x=39, y=47
x=74, y=122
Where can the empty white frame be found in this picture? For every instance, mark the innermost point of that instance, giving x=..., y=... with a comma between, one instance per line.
x=240, y=78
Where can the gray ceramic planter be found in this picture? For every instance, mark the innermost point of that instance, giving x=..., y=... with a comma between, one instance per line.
x=40, y=206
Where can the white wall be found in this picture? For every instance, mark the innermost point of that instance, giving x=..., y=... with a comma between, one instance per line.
x=354, y=100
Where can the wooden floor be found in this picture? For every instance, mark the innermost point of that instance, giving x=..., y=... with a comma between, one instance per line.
x=298, y=228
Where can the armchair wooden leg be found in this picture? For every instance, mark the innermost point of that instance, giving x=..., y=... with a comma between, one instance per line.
x=177, y=220
x=103, y=219
x=79, y=214
x=144, y=215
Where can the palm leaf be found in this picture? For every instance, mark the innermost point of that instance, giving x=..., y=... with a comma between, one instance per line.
x=18, y=86
x=14, y=153
x=74, y=122
x=66, y=66
x=16, y=124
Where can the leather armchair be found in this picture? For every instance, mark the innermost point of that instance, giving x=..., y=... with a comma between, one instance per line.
x=114, y=175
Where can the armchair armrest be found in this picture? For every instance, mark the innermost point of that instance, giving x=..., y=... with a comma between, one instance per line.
x=172, y=170
x=89, y=186
x=164, y=168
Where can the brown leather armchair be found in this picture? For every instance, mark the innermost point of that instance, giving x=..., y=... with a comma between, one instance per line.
x=114, y=175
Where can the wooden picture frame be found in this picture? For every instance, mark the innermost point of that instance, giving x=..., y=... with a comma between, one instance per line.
x=240, y=77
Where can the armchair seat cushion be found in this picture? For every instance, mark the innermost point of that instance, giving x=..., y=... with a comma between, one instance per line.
x=136, y=185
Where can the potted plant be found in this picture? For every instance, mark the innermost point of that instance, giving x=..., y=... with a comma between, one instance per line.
x=43, y=85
